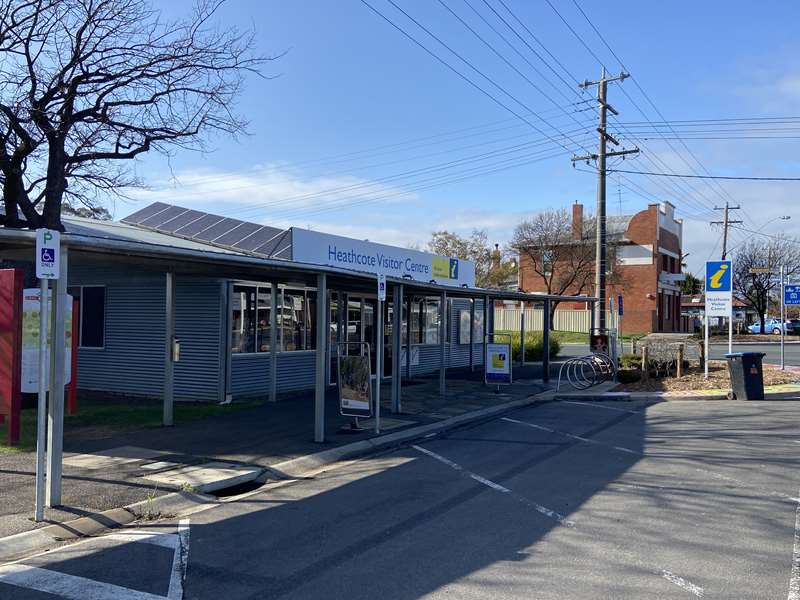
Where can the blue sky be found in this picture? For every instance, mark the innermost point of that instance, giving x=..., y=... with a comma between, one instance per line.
x=354, y=91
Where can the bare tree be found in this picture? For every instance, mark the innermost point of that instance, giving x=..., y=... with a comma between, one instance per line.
x=491, y=271
x=85, y=83
x=770, y=254
x=563, y=262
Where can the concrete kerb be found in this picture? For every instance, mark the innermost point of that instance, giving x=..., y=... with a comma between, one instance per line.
x=176, y=504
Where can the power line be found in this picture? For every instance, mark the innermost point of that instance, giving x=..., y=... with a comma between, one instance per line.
x=685, y=176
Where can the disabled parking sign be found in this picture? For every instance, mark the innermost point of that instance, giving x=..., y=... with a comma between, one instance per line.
x=48, y=253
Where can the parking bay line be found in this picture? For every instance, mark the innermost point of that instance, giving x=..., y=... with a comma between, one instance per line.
x=794, y=579
x=696, y=590
x=732, y=480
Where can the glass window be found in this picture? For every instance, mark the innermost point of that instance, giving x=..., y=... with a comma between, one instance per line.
x=243, y=319
x=292, y=320
x=310, y=324
x=432, y=320
x=93, y=316
x=263, y=310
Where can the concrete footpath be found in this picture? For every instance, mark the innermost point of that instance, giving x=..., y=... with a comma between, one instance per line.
x=154, y=473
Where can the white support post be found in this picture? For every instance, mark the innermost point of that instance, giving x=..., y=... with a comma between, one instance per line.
x=522, y=334
x=55, y=415
x=705, y=341
x=378, y=362
x=273, y=343
x=319, y=380
x=169, y=341
x=783, y=321
x=397, y=339
x=471, y=335
x=41, y=412
x=485, y=329
x=442, y=338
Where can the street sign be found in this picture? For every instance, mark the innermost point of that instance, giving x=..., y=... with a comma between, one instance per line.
x=619, y=304
x=719, y=290
x=498, y=359
x=381, y=287
x=791, y=294
x=48, y=253
x=755, y=270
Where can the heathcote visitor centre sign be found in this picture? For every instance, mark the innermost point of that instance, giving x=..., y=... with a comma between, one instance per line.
x=357, y=255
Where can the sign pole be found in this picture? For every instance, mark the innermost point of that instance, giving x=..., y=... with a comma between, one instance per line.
x=705, y=343
x=783, y=321
x=379, y=349
x=41, y=411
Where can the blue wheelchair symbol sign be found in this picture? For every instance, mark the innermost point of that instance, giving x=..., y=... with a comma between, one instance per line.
x=48, y=255
x=718, y=276
x=791, y=294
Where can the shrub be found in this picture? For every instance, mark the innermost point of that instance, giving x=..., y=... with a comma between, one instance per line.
x=628, y=375
x=630, y=361
x=533, y=346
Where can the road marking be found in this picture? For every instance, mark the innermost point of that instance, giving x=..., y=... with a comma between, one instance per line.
x=596, y=405
x=180, y=561
x=682, y=583
x=68, y=587
x=679, y=581
x=548, y=512
x=744, y=484
x=150, y=537
x=794, y=580
x=573, y=436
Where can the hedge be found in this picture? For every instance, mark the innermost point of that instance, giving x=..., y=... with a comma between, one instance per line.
x=533, y=346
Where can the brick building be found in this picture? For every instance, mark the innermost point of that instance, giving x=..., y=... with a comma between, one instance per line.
x=647, y=272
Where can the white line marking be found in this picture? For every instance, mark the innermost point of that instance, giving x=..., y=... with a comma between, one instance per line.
x=682, y=583
x=794, y=580
x=68, y=587
x=180, y=562
x=744, y=484
x=679, y=581
x=596, y=405
x=551, y=514
x=572, y=435
x=165, y=539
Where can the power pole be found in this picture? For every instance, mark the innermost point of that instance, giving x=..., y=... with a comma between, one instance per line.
x=725, y=224
x=600, y=157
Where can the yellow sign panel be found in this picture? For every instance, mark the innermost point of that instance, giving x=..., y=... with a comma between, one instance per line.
x=441, y=268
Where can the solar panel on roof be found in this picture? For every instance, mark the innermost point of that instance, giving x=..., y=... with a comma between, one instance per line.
x=237, y=234
x=218, y=229
x=214, y=229
x=163, y=216
x=194, y=227
x=180, y=220
x=146, y=212
x=259, y=238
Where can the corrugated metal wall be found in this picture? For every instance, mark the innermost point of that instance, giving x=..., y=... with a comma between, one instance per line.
x=250, y=373
x=132, y=361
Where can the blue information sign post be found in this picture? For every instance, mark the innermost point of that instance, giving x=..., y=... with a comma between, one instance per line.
x=791, y=294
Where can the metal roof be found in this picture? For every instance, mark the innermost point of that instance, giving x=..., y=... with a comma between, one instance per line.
x=122, y=240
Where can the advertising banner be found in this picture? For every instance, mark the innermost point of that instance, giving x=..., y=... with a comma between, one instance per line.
x=498, y=362
x=719, y=289
x=30, y=340
x=464, y=324
x=318, y=248
x=355, y=386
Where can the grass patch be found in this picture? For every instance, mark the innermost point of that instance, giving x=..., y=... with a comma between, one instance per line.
x=114, y=416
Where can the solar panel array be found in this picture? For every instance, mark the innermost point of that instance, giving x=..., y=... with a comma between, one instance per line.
x=215, y=230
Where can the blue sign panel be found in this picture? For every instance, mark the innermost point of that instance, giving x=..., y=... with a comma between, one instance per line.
x=718, y=276
x=791, y=294
x=619, y=304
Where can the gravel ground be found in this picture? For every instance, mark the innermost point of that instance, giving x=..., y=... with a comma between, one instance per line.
x=693, y=379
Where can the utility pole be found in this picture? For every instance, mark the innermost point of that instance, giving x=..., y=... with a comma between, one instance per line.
x=726, y=223
x=600, y=157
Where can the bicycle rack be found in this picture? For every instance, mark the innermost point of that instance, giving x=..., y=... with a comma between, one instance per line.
x=584, y=372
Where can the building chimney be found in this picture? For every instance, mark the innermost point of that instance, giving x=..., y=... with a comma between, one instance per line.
x=496, y=258
x=577, y=221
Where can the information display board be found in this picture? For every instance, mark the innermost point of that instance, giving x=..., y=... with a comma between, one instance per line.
x=355, y=383
x=498, y=360
x=30, y=340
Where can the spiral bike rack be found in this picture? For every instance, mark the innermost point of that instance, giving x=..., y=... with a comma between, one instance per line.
x=584, y=372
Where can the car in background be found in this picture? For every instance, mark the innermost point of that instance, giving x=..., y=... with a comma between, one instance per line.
x=773, y=326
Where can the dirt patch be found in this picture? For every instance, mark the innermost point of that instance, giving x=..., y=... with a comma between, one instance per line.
x=693, y=379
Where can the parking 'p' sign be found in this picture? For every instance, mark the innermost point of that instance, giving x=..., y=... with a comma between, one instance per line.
x=48, y=253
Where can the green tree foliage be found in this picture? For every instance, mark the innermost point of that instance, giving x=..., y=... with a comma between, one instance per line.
x=494, y=268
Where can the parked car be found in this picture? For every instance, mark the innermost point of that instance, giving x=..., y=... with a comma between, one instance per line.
x=773, y=326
